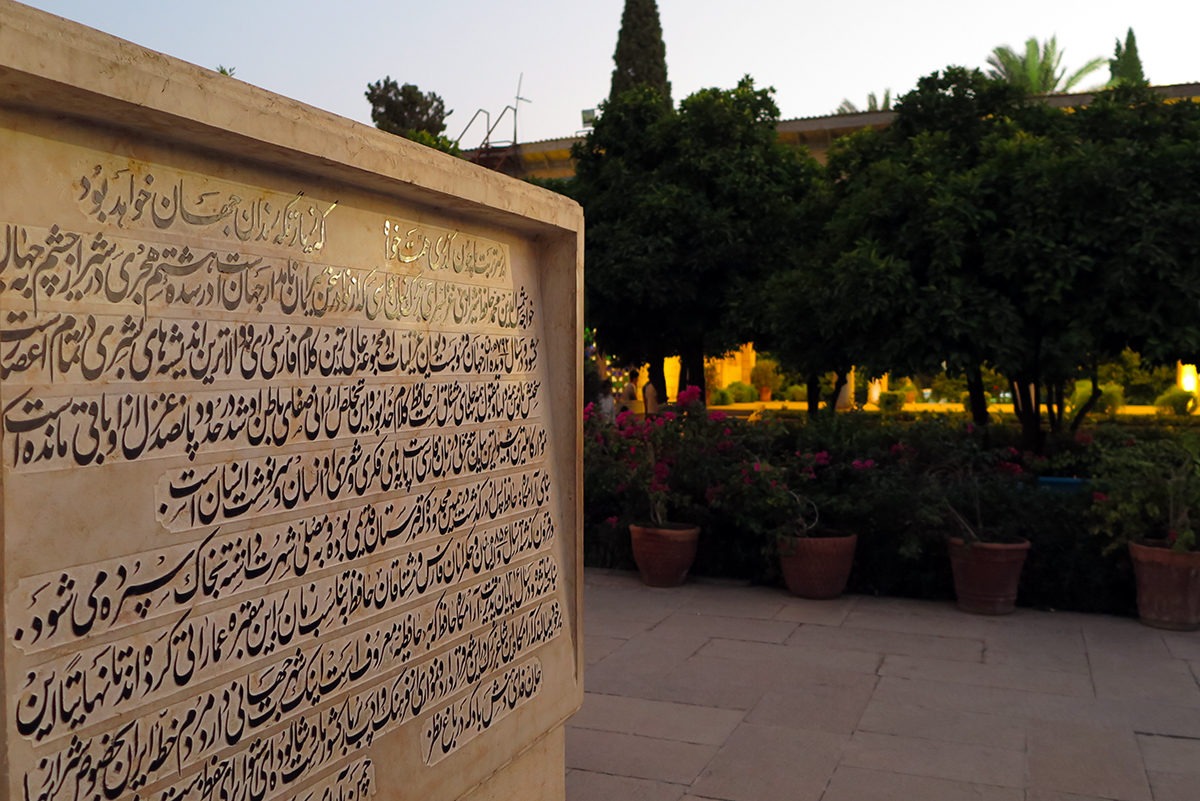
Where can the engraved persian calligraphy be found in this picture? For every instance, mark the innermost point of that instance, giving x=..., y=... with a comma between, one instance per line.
x=343, y=464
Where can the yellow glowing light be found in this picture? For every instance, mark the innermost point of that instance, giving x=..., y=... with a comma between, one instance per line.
x=1187, y=377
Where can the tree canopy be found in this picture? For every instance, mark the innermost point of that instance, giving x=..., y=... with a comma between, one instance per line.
x=641, y=56
x=686, y=210
x=407, y=111
x=1002, y=232
x=1038, y=70
x=1125, y=67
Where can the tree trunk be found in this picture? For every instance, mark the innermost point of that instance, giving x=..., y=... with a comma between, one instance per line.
x=814, y=394
x=691, y=372
x=1090, y=403
x=657, y=377
x=977, y=396
x=1027, y=404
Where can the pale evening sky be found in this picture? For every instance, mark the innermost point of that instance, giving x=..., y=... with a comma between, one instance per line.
x=472, y=52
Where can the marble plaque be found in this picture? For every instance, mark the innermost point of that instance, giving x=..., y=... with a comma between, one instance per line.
x=290, y=463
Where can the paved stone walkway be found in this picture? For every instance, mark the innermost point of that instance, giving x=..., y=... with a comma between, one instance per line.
x=716, y=690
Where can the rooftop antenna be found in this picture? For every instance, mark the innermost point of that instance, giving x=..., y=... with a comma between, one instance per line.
x=517, y=104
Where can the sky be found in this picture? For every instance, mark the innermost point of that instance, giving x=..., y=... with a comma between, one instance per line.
x=473, y=53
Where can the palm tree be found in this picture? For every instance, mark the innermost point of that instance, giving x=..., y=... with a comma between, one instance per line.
x=1038, y=72
x=873, y=104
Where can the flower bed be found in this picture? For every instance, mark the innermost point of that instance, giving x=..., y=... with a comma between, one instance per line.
x=893, y=482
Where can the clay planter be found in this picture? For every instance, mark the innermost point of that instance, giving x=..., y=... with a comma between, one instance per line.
x=664, y=555
x=1168, y=587
x=817, y=567
x=986, y=575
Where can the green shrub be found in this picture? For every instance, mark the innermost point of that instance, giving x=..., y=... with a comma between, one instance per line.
x=1112, y=397
x=891, y=402
x=719, y=397
x=1176, y=401
x=765, y=375
x=742, y=393
x=796, y=393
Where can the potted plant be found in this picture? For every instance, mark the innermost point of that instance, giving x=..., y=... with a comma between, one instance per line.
x=664, y=456
x=1146, y=493
x=815, y=557
x=987, y=555
x=815, y=561
x=765, y=377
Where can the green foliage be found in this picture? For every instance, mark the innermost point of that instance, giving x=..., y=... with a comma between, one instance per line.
x=886, y=480
x=873, y=104
x=641, y=56
x=1149, y=490
x=407, y=111
x=740, y=392
x=1125, y=67
x=982, y=229
x=765, y=374
x=1112, y=397
x=1176, y=401
x=795, y=393
x=1143, y=383
x=686, y=211
x=1038, y=70
x=891, y=402
x=719, y=397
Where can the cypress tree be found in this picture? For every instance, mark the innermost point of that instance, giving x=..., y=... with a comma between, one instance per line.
x=1125, y=68
x=641, y=56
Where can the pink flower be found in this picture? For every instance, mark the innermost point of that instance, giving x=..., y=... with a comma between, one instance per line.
x=624, y=418
x=863, y=464
x=588, y=411
x=718, y=417
x=667, y=416
x=662, y=471
x=821, y=458
x=689, y=396
x=611, y=522
x=1010, y=467
x=1099, y=497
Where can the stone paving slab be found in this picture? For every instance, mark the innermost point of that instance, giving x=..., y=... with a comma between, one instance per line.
x=719, y=691
x=858, y=784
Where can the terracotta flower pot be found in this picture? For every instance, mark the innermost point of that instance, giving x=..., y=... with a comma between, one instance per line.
x=1168, y=587
x=817, y=567
x=986, y=575
x=664, y=555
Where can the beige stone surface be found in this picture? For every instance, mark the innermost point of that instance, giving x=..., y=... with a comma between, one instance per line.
x=1001, y=676
x=946, y=725
x=770, y=763
x=585, y=785
x=888, y=642
x=858, y=784
x=534, y=775
x=884, y=700
x=1087, y=760
x=686, y=723
x=639, y=757
x=291, y=479
x=917, y=756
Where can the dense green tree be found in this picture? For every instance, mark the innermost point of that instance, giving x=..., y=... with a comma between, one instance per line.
x=407, y=111
x=641, y=56
x=687, y=210
x=1009, y=234
x=1038, y=70
x=1125, y=67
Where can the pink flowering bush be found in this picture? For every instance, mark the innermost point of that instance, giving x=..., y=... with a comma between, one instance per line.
x=890, y=481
